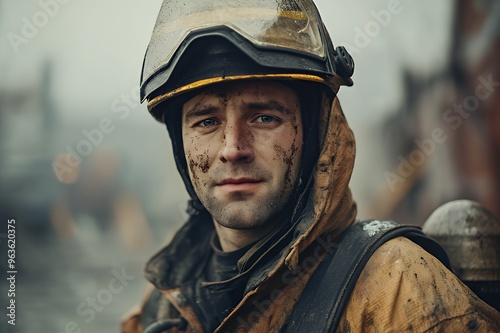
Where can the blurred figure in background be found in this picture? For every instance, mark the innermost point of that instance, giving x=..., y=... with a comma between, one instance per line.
x=27, y=123
x=447, y=133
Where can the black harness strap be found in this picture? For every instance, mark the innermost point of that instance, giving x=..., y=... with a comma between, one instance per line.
x=326, y=295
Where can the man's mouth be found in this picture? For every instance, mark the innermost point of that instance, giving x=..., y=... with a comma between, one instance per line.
x=239, y=184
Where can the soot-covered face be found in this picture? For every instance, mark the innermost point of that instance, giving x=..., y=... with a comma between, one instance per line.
x=243, y=143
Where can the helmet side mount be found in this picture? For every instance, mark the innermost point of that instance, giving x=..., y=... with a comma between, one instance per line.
x=344, y=63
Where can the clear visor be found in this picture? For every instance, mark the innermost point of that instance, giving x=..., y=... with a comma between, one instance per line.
x=288, y=24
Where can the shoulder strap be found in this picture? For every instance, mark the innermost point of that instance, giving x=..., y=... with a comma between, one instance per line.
x=324, y=298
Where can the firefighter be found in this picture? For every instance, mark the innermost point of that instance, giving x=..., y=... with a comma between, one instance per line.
x=248, y=93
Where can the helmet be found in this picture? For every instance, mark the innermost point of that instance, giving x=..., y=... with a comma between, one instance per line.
x=199, y=43
x=203, y=42
x=470, y=234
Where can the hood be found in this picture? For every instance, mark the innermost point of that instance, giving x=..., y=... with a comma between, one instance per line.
x=326, y=206
x=333, y=208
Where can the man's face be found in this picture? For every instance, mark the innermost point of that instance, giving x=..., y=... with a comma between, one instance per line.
x=243, y=143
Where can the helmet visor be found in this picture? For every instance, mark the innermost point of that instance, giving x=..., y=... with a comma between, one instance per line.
x=286, y=24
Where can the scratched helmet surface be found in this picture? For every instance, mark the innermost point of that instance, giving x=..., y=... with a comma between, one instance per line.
x=198, y=43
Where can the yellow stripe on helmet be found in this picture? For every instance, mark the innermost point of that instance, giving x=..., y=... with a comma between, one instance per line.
x=205, y=82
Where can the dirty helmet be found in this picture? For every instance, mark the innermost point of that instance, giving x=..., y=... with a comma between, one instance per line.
x=199, y=43
x=470, y=234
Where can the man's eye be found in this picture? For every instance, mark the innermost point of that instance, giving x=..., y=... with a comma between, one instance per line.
x=265, y=119
x=207, y=122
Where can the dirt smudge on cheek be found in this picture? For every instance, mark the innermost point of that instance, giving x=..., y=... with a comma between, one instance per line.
x=199, y=163
x=287, y=156
x=204, y=164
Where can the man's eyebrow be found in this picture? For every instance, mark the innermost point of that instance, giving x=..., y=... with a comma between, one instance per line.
x=268, y=105
x=199, y=111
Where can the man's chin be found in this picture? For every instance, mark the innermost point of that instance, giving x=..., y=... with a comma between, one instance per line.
x=243, y=216
x=238, y=223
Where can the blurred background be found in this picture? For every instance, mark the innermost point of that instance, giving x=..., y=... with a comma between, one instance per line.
x=89, y=175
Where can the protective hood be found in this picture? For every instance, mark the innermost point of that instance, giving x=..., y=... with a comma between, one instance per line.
x=331, y=202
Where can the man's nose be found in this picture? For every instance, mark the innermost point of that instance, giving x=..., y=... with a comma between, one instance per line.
x=236, y=143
